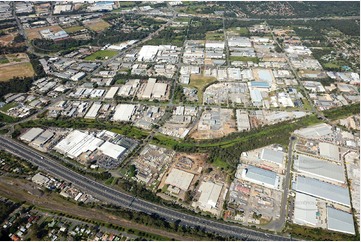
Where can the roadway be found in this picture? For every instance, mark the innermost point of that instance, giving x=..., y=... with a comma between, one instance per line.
x=122, y=199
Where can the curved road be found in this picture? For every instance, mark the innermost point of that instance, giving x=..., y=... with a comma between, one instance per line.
x=110, y=195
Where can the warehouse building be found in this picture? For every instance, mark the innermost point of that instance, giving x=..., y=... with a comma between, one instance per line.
x=76, y=143
x=112, y=150
x=329, y=151
x=340, y=221
x=43, y=138
x=242, y=120
x=316, y=131
x=154, y=90
x=260, y=176
x=272, y=156
x=124, y=112
x=93, y=111
x=112, y=91
x=148, y=53
x=256, y=97
x=319, y=168
x=209, y=195
x=305, y=210
x=322, y=190
x=31, y=134
x=180, y=179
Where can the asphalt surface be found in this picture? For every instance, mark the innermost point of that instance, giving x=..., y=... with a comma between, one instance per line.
x=110, y=195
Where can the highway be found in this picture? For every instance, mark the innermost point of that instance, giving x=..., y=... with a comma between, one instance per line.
x=122, y=199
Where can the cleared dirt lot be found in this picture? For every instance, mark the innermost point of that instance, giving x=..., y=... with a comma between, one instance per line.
x=35, y=32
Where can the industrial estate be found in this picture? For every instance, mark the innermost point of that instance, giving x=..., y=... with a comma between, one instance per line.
x=177, y=120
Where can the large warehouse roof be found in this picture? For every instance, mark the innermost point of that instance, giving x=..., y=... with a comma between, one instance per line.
x=180, y=179
x=320, y=168
x=340, y=221
x=272, y=156
x=305, y=209
x=76, y=143
x=322, y=190
x=93, y=111
x=112, y=91
x=315, y=131
x=329, y=151
x=123, y=112
x=112, y=150
x=31, y=134
x=260, y=176
x=209, y=194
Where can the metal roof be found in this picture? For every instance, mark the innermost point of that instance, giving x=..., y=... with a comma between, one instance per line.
x=340, y=221
x=320, y=168
x=272, y=156
x=305, y=209
x=322, y=190
x=259, y=175
x=329, y=151
x=31, y=134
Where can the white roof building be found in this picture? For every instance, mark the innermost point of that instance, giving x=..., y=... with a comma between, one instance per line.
x=112, y=91
x=329, y=151
x=209, y=194
x=340, y=221
x=148, y=52
x=180, y=179
x=93, y=111
x=31, y=134
x=76, y=143
x=111, y=150
x=305, y=210
x=124, y=112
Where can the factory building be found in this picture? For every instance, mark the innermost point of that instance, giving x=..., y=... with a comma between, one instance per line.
x=260, y=176
x=112, y=150
x=179, y=179
x=322, y=190
x=31, y=134
x=305, y=210
x=124, y=112
x=329, y=151
x=209, y=195
x=111, y=93
x=93, y=111
x=272, y=156
x=320, y=169
x=340, y=221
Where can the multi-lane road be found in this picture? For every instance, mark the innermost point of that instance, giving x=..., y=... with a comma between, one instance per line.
x=113, y=196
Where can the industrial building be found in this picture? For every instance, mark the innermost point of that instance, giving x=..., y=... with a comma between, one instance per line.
x=329, y=151
x=112, y=150
x=242, y=120
x=321, y=169
x=324, y=190
x=43, y=138
x=154, y=90
x=31, y=134
x=76, y=143
x=93, y=111
x=147, y=53
x=316, y=131
x=340, y=221
x=261, y=176
x=305, y=212
x=272, y=156
x=110, y=94
x=78, y=76
x=256, y=97
x=180, y=179
x=209, y=195
x=124, y=112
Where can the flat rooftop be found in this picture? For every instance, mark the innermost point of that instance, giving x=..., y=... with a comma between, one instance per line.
x=323, y=190
x=320, y=168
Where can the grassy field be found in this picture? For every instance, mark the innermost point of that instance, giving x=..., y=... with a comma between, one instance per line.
x=239, y=30
x=96, y=25
x=215, y=36
x=73, y=29
x=8, y=106
x=200, y=82
x=101, y=55
x=16, y=70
